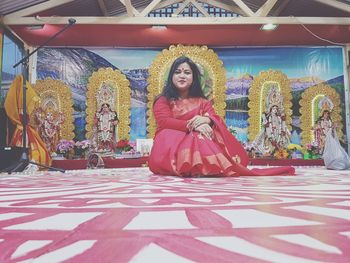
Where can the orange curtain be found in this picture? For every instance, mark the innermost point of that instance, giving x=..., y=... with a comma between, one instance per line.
x=14, y=110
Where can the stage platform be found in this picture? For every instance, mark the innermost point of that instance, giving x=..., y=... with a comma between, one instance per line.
x=76, y=164
x=142, y=161
x=132, y=215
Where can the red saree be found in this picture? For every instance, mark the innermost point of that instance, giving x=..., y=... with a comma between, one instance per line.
x=176, y=151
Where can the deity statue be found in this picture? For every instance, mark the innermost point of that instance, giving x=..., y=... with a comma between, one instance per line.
x=49, y=122
x=274, y=134
x=324, y=123
x=106, y=121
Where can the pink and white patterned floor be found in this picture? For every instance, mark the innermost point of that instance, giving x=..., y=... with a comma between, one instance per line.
x=130, y=215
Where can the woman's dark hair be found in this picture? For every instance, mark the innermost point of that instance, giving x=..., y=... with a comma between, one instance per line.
x=170, y=91
x=107, y=104
x=322, y=115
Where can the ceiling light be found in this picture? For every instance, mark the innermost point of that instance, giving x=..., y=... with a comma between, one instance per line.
x=159, y=27
x=35, y=27
x=268, y=27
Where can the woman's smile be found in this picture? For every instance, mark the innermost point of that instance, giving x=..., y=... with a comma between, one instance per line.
x=183, y=78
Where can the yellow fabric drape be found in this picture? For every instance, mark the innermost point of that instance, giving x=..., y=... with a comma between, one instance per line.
x=14, y=110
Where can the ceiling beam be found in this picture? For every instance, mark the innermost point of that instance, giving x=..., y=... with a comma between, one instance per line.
x=38, y=8
x=150, y=8
x=281, y=7
x=131, y=11
x=102, y=6
x=168, y=3
x=335, y=4
x=265, y=9
x=124, y=20
x=25, y=44
x=221, y=5
x=200, y=8
x=129, y=7
x=246, y=10
x=181, y=7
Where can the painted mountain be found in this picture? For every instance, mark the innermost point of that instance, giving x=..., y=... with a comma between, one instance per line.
x=138, y=82
x=74, y=66
x=336, y=81
x=238, y=87
x=300, y=84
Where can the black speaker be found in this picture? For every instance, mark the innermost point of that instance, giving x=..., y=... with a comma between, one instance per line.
x=9, y=156
x=3, y=127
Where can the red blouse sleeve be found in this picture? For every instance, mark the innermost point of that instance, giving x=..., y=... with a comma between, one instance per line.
x=164, y=117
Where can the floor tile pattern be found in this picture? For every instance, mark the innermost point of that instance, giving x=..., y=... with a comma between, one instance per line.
x=131, y=215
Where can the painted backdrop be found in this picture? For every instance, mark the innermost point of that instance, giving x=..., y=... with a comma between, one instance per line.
x=304, y=67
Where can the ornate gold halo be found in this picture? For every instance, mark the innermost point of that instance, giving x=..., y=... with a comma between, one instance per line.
x=307, y=110
x=121, y=105
x=201, y=55
x=61, y=93
x=258, y=94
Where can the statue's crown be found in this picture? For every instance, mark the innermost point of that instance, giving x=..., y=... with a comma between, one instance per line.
x=274, y=98
x=325, y=104
x=105, y=95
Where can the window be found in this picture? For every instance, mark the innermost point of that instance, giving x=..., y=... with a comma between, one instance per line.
x=191, y=11
x=12, y=52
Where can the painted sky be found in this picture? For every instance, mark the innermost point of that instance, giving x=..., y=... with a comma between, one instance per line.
x=128, y=58
x=323, y=62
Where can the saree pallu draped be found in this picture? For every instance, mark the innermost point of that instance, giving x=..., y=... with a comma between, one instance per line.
x=14, y=110
x=178, y=151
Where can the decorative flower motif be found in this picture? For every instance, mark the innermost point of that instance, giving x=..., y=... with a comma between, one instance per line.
x=281, y=154
x=294, y=147
x=85, y=144
x=124, y=145
x=65, y=146
x=313, y=148
x=81, y=148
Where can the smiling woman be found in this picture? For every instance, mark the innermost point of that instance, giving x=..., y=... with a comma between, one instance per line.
x=191, y=139
x=183, y=78
x=212, y=77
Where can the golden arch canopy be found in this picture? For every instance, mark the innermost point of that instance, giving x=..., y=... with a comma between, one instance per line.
x=211, y=67
x=119, y=99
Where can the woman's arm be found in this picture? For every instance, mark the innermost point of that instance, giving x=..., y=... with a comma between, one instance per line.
x=164, y=116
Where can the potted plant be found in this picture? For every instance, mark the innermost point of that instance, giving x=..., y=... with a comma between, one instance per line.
x=295, y=151
x=66, y=148
x=281, y=153
x=312, y=150
x=81, y=148
x=123, y=145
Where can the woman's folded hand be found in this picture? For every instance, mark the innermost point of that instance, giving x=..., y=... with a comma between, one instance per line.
x=205, y=130
x=197, y=121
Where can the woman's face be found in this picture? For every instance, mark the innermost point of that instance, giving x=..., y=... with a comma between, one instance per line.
x=326, y=115
x=105, y=108
x=183, y=78
x=274, y=109
x=49, y=116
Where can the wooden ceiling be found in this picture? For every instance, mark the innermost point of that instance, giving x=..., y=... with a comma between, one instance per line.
x=126, y=23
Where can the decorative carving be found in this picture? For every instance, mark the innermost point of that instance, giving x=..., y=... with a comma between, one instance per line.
x=56, y=101
x=113, y=83
x=314, y=101
x=211, y=67
x=259, y=99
